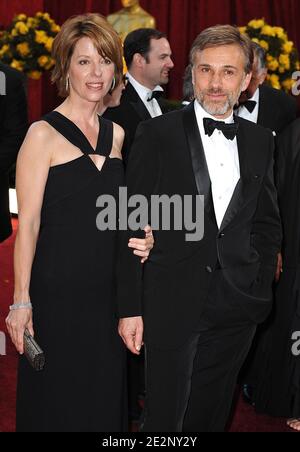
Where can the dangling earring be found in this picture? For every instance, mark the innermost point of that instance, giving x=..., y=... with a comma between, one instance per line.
x=113, y=85
x=67, y=84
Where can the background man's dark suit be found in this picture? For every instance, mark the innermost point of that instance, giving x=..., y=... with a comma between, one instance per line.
x=130, y=114
x=179, y=278
x=276, y=109
x=13, y=126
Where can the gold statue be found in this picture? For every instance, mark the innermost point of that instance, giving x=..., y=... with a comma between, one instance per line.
x=130, y=18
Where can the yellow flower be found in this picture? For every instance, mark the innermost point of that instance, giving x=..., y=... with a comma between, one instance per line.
x=256, y=23
x=288, y=46
x=16, y=64
x=279, y=31
x=49, y=44
x=268, y=31
x=4, y=49
x=35, y=75
x=41, y=36
x=274, y=79
x=21, y=17
x=55, y=28
x=21, y=28
x=31, y=22
x=46, y=16
x=264, y=44
x=23, y=49
x=243, y=30
x=284, y=61
x=39, y=14
x=14, y=33
x=50, y=64
x=288, y=84
x=255, y=40
x=273, y=64
x=297, y=65
x=43, y=60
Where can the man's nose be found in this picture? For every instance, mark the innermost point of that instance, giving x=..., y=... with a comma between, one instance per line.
x=170, y=63
x=216, y=80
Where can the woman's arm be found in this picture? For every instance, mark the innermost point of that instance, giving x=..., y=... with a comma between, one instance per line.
x=32, y=172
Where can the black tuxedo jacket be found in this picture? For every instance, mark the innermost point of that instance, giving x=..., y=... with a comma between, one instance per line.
x=130, y=113
x=170, y=290
x=13, y=126
x=276, y=109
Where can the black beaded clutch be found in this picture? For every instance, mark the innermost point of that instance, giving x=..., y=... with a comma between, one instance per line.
x=33, y=352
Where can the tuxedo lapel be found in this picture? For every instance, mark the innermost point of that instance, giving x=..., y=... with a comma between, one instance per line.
x=241, y=192
x=199, y=164
x=137, y=103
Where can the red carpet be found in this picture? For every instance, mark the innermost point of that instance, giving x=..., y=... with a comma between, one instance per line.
x=244, y=418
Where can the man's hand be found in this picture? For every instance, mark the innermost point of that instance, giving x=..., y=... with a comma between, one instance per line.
x=279, y=267
x=131, y=331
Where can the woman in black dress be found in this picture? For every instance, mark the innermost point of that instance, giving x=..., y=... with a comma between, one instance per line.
x=278, y=387
x=64, y=266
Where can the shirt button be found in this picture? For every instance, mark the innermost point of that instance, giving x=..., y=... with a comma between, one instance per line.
x=209, y=269
x=222, y=164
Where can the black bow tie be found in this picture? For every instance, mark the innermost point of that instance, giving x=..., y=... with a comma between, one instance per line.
x=155, y=95
x=229, y=130
x=249, y=104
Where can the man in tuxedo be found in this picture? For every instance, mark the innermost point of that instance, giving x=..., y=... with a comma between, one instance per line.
x=266, y=106
x=147, y=54
x=196, y=304
x=13, y=126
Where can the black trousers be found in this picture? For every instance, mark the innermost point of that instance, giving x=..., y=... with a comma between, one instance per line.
x=191, y=389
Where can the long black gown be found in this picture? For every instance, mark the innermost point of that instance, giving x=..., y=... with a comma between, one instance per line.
x=83, y=385
x=278, y=387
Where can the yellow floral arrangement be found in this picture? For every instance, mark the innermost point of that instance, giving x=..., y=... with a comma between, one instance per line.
x=282, y=55
x=26, y=44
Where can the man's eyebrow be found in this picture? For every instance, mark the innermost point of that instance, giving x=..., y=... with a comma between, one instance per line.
x=227, y=66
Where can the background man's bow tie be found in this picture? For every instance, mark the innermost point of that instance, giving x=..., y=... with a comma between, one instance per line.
x=229, y=130
x=249, y=104
x=155, y=95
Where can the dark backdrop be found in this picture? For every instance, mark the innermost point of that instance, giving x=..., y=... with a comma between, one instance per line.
x=182, y=20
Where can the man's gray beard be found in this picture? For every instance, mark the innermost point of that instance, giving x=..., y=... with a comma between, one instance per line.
x=217, y=110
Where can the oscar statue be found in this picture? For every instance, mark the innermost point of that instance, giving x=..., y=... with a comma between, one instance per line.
x=130, y=18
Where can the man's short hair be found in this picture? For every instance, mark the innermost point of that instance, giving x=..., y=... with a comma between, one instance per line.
x=261, y=55
x=139, y=41
x=222, y=35
x=188, y=87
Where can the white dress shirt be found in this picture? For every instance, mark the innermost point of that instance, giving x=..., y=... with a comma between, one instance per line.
x=222, y=160
x=144, y=93
x=243, y=112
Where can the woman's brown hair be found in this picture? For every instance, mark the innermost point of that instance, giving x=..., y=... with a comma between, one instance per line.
x=104, y=37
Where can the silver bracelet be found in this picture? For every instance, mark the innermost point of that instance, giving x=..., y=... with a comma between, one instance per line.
x=16, y=306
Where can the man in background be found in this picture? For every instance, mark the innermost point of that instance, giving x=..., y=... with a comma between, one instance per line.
x=13, y=127
x=266, y=106
x=147, y=54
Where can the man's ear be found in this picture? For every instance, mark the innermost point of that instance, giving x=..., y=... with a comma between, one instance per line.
x=263, y=76
x=139, y=60
x=247, y=81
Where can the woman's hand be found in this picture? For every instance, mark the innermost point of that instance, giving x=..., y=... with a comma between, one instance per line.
x=16, y=322
x=142, y=247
